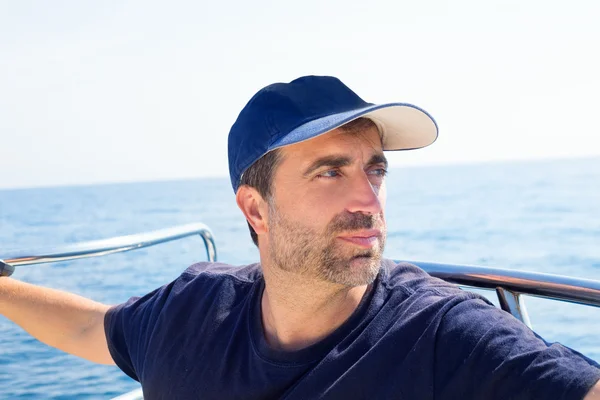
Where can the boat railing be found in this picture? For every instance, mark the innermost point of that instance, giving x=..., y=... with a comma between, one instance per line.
x=96, y=248
x=509, y=285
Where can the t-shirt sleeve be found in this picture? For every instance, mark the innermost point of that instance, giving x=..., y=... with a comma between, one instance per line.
x=485, y=353
x=129, y=326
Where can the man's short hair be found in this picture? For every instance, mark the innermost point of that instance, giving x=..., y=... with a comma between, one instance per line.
x=260, y=174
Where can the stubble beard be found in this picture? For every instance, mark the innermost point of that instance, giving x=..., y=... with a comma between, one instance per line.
x=305, y=251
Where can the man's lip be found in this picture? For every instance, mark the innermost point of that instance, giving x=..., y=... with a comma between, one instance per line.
x=365, y=233
x=365, y=238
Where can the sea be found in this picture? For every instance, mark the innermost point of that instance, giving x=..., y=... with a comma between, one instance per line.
x=539, y=216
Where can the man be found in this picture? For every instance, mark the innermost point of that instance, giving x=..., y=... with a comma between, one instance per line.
x=322, y=315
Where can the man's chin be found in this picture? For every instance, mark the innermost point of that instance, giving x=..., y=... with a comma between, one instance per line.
x=359, y=269
x=365, y=263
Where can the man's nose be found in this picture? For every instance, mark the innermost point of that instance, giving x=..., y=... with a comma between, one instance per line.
x=364, y=196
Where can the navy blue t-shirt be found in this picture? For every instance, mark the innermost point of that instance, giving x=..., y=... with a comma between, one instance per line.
x=411, y=337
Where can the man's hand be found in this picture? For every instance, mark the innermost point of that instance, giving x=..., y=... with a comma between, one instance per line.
x=63, y=320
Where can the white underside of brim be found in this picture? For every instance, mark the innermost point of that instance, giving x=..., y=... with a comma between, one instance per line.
x=403, y=128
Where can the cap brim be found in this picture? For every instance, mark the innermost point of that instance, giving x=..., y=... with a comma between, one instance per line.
x=402, y=126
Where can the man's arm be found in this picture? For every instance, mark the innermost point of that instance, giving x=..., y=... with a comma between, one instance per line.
x=484, y=352
x=63, y=320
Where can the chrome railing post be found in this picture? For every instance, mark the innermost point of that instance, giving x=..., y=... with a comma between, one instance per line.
x=209, y=243
x=513, y=303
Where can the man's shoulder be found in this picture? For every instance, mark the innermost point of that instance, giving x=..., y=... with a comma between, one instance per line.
x=411, y=278
x=193, y=284
x=408, y=286
x=214, y=272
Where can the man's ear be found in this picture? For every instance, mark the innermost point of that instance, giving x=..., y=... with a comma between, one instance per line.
x=254, y=208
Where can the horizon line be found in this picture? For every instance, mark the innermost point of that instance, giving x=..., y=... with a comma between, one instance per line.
x=224, y=176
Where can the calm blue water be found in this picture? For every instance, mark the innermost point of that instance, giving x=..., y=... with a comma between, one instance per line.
x=540, y=216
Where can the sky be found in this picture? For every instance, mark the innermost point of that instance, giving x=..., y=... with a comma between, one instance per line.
x=118, y=91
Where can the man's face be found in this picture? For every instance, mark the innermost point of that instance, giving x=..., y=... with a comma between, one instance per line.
x=325, y=217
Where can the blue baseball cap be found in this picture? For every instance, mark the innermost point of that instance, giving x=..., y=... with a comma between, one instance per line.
x=286, y=113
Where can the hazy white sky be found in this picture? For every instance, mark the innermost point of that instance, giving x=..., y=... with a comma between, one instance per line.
x=104, y=91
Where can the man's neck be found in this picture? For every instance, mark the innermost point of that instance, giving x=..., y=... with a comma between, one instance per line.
x=298, y=312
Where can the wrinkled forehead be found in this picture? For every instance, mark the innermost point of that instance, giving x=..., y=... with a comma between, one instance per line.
x=366, y=138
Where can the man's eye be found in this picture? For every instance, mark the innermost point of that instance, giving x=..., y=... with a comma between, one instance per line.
x=332, y=173
x=378, y=172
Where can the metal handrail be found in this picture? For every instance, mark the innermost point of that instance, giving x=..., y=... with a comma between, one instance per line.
x=556, y=287
x=511, y=284
x=96, y=248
